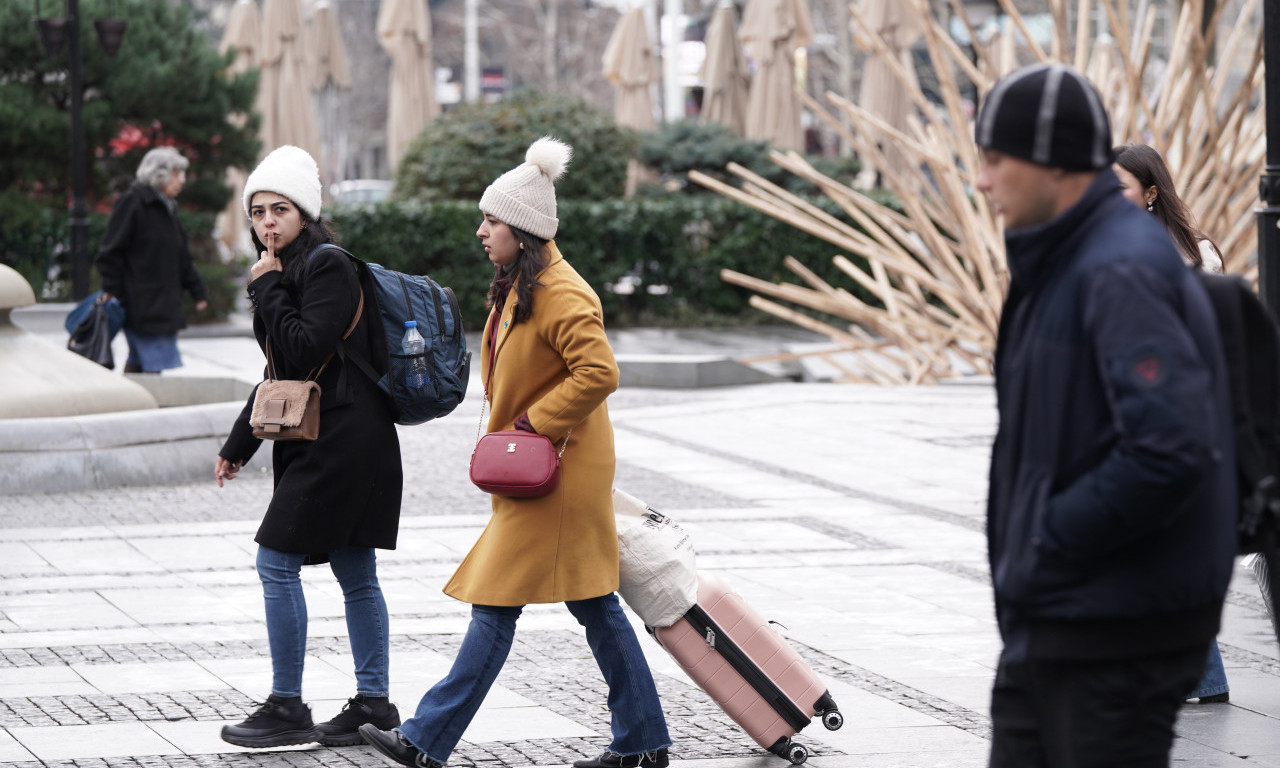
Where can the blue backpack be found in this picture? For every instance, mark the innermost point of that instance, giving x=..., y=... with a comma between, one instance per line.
x=395, y=298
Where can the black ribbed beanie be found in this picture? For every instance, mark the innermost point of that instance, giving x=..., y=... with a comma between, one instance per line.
x=1048, y=114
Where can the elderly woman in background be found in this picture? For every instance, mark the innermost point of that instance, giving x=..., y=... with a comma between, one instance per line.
x=145, y=263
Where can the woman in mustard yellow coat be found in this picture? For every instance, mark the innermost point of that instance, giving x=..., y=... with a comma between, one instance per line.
x=547, y=368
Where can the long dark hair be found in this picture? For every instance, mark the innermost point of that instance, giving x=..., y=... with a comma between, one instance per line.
x=1149, y=169
x=531, y=260
x=293, y=259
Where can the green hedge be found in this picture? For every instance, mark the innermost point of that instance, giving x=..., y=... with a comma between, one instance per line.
x=678, y=244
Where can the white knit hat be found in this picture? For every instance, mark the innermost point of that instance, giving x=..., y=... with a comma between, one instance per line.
x=288, y=171
x=525, y=196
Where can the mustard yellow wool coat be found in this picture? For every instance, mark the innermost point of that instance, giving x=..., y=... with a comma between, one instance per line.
x=558, y=367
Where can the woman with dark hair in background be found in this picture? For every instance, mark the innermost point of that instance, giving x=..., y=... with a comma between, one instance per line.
x=1147, y=183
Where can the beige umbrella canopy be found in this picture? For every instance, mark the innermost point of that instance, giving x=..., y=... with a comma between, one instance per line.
x=244, y=36
x=883, y=94
x=330, y=72
x=630, y=64
x=290, y=115
x=404, y=30
x=724, y=73
x=328, y=54
x=772, y=31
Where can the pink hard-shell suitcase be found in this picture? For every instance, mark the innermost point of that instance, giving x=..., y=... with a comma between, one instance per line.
x=750, y=670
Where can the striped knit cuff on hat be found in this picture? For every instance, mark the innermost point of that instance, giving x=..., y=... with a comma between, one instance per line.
x=1048, y=114
x=289, y=171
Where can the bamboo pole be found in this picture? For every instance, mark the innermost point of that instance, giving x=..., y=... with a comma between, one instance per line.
x=935, y=275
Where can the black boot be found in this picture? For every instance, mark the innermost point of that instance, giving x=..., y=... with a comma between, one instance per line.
x=395, y=746
x=343, y=730
x=278, y=722
x=611, y=759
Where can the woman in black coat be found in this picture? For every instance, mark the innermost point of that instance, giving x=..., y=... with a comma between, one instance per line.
x=337, y=498
x=144, y=262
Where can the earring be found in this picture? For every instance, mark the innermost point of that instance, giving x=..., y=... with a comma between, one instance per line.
x=1151, y=206
x=522, y=246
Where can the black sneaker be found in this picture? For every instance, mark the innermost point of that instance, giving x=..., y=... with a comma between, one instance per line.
x=611, y=759
x=1217, y=698
x=394, y=745
x=343, y=730
x=278, y=722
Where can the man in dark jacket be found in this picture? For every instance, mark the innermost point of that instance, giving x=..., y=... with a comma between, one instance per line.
x=1109, y=520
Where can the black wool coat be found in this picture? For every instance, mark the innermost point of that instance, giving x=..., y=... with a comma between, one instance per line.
x=144, y=261
x=343, y=489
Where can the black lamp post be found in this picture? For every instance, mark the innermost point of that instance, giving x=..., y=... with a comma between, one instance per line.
x=53, y=32
x=1268, y=212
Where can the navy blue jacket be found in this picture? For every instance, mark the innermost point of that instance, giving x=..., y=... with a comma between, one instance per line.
x=1110, y=519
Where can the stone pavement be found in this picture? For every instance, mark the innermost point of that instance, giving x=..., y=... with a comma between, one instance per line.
x=131, y=627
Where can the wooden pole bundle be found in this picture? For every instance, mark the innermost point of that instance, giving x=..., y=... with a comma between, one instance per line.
x=935, y=271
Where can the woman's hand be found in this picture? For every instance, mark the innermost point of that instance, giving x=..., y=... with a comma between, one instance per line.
x=267, y=260
x=202, y=305
x=226, y=470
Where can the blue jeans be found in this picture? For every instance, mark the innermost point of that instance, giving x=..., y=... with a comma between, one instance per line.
x=1214, y=680
x=367, y=628
x=447, y=709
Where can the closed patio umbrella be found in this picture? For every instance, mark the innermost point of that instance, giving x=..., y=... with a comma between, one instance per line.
x=882, y=93
x=244, y=36
x=290, y=115
x=330, y=72
x=724, y=73
x=404, y=30
x=328, y=53
x=772, y=31
x=631, y=65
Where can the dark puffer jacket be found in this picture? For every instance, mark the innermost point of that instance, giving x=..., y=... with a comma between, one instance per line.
x=144, y=262
x=1110, y=515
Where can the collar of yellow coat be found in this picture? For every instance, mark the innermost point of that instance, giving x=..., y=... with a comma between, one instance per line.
x=509, y=312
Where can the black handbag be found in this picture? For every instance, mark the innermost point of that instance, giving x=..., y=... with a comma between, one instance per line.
x=92, y=337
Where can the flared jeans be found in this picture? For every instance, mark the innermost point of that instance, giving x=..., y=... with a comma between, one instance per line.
x=445, y=711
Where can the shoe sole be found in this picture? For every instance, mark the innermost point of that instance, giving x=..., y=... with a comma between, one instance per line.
x=286, y=739
x=353, y=738
x=342, y=740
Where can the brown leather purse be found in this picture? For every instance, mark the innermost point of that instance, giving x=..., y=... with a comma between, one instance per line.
x=288, y=409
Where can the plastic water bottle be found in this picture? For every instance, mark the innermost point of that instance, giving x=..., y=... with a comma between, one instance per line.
x=417, y=376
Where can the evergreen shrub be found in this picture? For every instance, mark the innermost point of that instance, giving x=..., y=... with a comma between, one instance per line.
x=668, y=251
x=460, y=153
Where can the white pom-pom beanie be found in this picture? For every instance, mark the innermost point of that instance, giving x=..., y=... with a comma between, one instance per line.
x=288, y=171
x=525, y=196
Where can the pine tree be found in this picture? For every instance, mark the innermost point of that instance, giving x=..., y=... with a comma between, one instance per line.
x=166, y=85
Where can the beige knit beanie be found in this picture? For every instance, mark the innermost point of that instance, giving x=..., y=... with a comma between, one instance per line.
x=525, y=196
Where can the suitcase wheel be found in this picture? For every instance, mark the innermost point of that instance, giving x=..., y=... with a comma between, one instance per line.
x=797, y=753
x=832, y=720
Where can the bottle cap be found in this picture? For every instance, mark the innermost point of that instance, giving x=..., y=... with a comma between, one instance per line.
x=410, y=323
